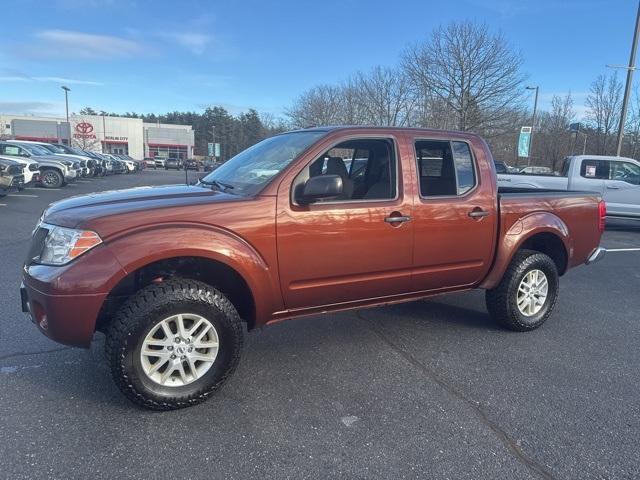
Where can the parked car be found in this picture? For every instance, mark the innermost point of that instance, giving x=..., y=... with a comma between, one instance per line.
x=173, y=164
x=66, y=151
x=282, y=230
x=131, y=165
x=98, y=164
x=617, y=179
x=192, y=164
x=211, y=165
x=149, y=162
x=55, y=170
x=120, y=167
x=31, y=171
x=11, y=176
x=160, y=161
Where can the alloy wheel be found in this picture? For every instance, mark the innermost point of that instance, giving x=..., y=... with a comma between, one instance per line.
x=179, y=350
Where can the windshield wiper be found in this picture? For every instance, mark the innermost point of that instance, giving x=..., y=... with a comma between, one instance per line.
x=217, y=183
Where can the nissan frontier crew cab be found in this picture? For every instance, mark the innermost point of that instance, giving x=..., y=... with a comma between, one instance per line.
x=303, y=223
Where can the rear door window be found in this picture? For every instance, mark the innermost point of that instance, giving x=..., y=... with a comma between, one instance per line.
x=595, y=169
x=445, y=168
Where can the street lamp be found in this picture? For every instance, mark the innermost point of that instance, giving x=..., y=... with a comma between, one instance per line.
x=66, y=102
x=533, y=121
x=627, y=89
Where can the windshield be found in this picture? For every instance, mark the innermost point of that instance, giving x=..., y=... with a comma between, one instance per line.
x=35, y=149
x=53, y=148
x=75, y=151
x=251, y=169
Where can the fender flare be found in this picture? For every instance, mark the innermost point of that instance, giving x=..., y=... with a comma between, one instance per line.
x=174, y=240
x=523, y=229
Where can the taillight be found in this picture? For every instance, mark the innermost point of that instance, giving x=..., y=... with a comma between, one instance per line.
x=602, y=215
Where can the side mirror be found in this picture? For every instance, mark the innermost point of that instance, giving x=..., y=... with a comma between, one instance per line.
x=322, y=186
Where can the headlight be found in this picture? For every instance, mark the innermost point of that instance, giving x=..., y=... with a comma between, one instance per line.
x=64, y=244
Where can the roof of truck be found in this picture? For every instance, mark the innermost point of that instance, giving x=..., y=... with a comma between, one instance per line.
x=332, y=128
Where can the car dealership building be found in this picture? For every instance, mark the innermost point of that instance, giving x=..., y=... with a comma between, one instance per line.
x=105, y=134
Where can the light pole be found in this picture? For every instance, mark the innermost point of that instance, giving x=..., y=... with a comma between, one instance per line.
x=533, y=121
x=66, y=102
x=627, y=90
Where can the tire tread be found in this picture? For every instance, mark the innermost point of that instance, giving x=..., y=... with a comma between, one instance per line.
x=134, y=310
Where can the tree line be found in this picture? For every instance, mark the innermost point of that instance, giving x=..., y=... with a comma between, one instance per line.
x=215, y=124
x=465, y=77
x=462, y=77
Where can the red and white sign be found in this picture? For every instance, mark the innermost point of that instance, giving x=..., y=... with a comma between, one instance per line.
x=84, y=130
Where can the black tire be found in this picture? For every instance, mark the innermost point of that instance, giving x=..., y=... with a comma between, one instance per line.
x=502, y=301
x=143, y=311
x=51, y=179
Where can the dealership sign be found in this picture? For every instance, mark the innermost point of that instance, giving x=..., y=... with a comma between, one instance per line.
x=84, y=130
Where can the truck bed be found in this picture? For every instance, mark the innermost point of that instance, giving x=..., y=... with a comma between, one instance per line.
x=575, y=212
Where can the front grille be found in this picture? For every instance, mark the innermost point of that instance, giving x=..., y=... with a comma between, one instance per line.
x=18, y=181
x=34, y=167
x=15, y=170
x=37, y=244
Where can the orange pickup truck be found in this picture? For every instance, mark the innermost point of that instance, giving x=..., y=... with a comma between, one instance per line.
x=303, y=223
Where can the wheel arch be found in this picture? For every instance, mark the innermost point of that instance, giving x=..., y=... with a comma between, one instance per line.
x=214, y=256
x=543, y=232
x=211, y=271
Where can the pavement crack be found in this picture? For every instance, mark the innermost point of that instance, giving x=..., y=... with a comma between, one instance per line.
x=502, y=435
x=27, y=354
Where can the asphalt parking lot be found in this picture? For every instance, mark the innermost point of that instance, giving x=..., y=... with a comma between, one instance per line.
x=430, y=389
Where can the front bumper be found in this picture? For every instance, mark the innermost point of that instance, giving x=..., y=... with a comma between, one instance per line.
x=72, y=175
x=65, y=319
x=64, y=302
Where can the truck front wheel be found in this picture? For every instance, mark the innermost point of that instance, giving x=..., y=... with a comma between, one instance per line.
x=527, y=293
x=173, y=344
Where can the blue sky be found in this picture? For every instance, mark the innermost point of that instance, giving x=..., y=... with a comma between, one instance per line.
x=158, y=56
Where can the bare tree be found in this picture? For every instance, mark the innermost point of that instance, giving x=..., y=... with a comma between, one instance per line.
x=383, y=97
x=554, y=140
x=322, y=105
x=474, y=72
x=603, y=109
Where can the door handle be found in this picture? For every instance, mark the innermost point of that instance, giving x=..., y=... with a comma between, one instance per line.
x=397, y=219
x=477, y=213
x=613, y=187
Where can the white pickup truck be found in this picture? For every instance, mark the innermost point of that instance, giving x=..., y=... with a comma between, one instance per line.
x=617, y=179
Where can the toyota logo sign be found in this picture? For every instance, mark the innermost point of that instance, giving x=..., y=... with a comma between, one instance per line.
x=84, y=128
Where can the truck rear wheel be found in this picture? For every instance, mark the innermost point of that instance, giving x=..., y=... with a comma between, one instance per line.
x=527, y=293
x=173, y=344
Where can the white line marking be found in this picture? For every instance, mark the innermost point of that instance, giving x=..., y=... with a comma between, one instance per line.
x=22, y=195
x=350, y=420
x=623, y=250
x=3, y=204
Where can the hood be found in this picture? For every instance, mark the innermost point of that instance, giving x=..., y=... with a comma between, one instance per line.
x=71, y=156
x=82, y=209
x=51, y=158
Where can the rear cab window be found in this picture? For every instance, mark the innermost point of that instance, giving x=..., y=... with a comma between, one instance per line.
x=445, y=168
